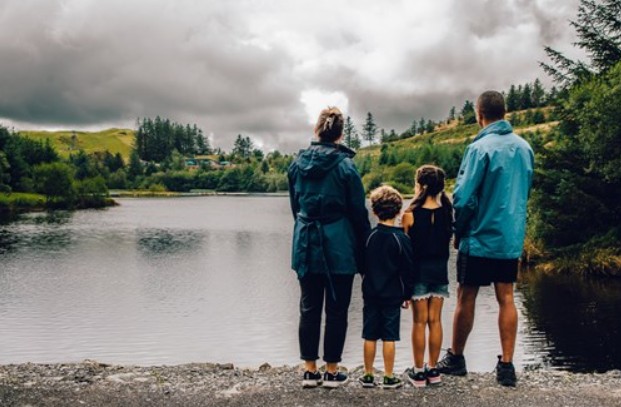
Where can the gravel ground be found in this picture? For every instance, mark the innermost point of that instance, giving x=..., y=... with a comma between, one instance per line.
x=94, y=384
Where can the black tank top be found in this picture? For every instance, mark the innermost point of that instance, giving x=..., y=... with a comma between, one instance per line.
x=431, y=236
x=431, y=233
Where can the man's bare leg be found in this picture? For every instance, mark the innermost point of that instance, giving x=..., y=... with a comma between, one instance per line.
x=463, y=320
x=507, y=319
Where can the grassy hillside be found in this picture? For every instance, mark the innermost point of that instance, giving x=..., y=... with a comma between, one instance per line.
x=453, y=133
x=113, y=140
x=395, y=162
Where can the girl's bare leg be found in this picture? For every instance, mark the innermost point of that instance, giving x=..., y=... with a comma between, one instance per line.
x=420, y=312
x=435, y=329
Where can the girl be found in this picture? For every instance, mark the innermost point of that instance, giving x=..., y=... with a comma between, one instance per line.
x=429, y=223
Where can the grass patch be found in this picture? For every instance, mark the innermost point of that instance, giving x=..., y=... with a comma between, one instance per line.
x=112, y=140
x=17, y=202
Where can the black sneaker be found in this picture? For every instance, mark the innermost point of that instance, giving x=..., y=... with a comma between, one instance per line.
x=505, y=373
x=391, y=382
x=433, y=376
x=452, y=364
x=367, y=381
x=311, y=379
x=418, y=379
x=333, y=381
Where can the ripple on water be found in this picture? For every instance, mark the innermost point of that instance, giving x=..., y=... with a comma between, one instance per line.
x=207, y=279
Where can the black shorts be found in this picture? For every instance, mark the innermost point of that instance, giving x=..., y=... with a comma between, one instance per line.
x=380, y=322
x=478, y=271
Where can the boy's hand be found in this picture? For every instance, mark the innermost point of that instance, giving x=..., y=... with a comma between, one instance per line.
x=406, y=304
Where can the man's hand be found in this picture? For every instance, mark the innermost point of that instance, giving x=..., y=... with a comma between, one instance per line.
x=456, y=243
x=406, y=304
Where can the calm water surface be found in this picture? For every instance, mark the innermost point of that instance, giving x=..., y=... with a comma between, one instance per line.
x=168, y=281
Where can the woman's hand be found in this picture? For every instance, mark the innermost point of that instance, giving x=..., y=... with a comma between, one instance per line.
x=406, y=304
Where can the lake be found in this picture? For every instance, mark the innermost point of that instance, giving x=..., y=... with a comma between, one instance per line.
x=208, y=279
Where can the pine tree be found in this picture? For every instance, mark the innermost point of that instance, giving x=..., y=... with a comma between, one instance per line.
x=411, y=132
x=430, y=126
x=356, y=143
x=242, y=147
x=552, y=95
x=538, y=94
x=526, y=97
x=467, y=112
x=383, y=136
x=383, y=157
x=598, y=28
x=421, y=125
x=369, y=130
x=202, y=143
x=451, y=115
x=135, y=166
x=349, y=130
x=513, y=101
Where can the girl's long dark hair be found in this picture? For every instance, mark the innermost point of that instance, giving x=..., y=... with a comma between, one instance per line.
x=431, y=180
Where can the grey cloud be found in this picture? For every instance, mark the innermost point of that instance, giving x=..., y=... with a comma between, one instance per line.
x=59, y=74
x=75, y=63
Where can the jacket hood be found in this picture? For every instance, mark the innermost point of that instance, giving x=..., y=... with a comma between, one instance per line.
x=319, y=158
x=500, y=127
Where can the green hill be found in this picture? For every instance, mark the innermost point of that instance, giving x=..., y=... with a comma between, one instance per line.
x=66, y=141
x=394, y=162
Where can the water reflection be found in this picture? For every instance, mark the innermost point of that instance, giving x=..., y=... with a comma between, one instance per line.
x=8, y=242
x=44, y=231
x=49, y=218
x=170, y=281
x=574, y=322
x=163, y=242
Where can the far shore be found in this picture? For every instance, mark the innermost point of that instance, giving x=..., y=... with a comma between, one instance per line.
x=208, y=384
x=122, y=193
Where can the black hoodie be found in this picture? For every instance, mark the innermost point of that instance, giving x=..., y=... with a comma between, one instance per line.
x=328, y=204
x=389, y=269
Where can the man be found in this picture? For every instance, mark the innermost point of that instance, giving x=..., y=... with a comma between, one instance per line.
x=490, y=196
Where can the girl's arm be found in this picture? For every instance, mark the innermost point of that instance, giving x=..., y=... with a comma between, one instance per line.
x=407, y=221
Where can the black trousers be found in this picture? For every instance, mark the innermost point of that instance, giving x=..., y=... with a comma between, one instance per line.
x=315, y=288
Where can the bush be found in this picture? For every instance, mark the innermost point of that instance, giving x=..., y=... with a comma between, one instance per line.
x=92, y=192
x=207, y=179
x=372, y=181
x=55, y=181
x=230, y=181
x=118, y=180
x=578, y=181
x=404, y=174
x=178, y=181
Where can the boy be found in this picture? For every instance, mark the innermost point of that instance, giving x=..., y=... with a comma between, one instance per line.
x=387, y=283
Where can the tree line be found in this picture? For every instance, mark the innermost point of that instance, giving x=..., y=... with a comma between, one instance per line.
x=576, y=205
x=520, y=97
x=156, y=139
x=30, y=166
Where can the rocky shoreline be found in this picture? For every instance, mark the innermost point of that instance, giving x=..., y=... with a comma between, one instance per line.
x=205, y=384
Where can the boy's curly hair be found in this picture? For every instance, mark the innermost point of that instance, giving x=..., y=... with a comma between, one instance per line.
x=386, y=202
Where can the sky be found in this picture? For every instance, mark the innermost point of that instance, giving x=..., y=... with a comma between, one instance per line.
x=265, y=68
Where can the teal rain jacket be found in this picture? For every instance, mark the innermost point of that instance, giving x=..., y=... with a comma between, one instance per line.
x=328, y=204
x=491, y=192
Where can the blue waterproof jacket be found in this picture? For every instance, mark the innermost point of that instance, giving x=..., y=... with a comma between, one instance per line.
x=491, y=192
x=328, y=205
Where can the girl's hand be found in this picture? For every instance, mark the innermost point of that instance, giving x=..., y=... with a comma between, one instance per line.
x=406, y=304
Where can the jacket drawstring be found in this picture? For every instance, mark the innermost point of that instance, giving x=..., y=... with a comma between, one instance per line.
x=318, y=226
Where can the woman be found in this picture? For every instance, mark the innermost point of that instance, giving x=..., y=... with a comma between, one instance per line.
x=331, y=221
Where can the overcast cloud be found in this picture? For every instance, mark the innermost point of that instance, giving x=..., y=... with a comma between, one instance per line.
x=264, y=68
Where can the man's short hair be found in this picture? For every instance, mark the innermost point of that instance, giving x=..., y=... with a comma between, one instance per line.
x=491, y=105
x=386, y=202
